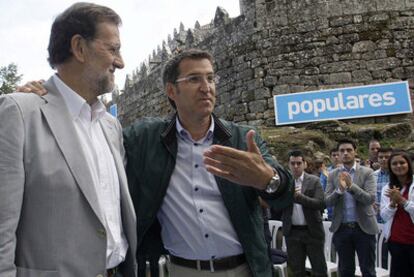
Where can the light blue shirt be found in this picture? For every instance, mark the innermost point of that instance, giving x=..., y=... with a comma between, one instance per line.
x=382, y=177
x=349, y=209
x=195, y=223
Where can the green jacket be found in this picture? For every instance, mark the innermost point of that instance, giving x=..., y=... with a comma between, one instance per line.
x=151, y=147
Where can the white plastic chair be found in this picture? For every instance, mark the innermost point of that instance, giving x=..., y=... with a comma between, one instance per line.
x=381, y=271
x=162, y=266
x=275, y=227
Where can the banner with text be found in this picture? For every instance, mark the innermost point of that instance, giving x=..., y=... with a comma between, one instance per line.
x=343, y=103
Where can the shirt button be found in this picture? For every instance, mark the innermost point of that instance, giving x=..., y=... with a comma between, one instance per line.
x=196, y=165
x=201, y=210
x=196, y=189
x=206, y=235
x=195, y=144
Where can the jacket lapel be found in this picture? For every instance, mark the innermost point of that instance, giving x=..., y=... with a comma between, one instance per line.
x=304, y=183
x=357, y=176
x=59, y=120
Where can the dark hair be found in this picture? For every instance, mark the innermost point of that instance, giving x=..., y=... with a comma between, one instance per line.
x=296, y=153
x=393, y=178
x=346, y=141
x=372, y=141
x=80, y=18
x=171, y=69
x=333, y=150
x=384, y=150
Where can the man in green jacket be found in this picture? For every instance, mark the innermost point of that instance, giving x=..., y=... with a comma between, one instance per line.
x=195, y=180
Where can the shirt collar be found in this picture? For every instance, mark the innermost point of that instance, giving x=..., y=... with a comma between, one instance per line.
x=353, y=168
x=78, y=107
x=300, y=179
x=184, y=134
x=383, y=172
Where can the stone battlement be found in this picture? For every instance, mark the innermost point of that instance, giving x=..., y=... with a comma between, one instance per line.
x=284, y=46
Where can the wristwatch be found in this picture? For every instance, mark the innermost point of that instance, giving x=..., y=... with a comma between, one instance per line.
x=273, y=184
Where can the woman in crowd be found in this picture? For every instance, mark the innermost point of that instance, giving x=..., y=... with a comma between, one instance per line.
x=397, y=210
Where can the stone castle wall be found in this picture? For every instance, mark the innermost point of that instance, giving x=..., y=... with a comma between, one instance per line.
x=285, y=46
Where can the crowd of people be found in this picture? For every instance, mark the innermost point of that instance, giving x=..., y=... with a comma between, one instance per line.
x=360, y=199
x=79, y=196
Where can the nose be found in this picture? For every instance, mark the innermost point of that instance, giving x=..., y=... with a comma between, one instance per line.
x=205, y=86
x=119, y=62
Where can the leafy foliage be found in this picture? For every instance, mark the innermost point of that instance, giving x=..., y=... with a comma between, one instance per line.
x=9, y=78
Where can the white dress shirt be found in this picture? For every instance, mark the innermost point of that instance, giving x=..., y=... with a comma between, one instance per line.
x=101, y=164
x=195, y=223
x=297, y=213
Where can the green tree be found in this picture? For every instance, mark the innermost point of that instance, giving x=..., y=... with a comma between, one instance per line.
x=9, y=78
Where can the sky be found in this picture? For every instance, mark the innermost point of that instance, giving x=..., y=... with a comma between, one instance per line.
x=25, y=29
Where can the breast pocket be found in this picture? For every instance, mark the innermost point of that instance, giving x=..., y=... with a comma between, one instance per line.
x=29, y=272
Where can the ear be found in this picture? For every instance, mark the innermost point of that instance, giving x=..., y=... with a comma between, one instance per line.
x=77, y=46
x=171, y=90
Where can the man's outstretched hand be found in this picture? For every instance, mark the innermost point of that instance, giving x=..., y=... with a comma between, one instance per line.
x=246, y=168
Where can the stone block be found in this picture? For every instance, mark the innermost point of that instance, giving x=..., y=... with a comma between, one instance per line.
x=262, y=93
x=407, y=62
x=339, y=66
x=270, y=122
x=239, y=118
x=224, y=97
x=389, y=5
x=334, y=8
x=247, y=96
x=240, y=109
x=309, y=80
x=246, y=74
x=270, y=81
x=297, y=88
x=251, y=116
x=255, y=122
x=379, y=17
x=270, y=103
x=388, y=63
x=409, y=3
x=311, y=71
x=381, y=54
x=401, y=23
x=269, y=114
x=259, y=72
x=361, y=76
x=399, y=73
x=258, y=62
x=258, y=106
x=341, y=21
x=289, y=79
x=364, y=46
x=340, y=78
x=219, y=110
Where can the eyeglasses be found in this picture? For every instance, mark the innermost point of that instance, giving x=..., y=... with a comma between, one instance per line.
x=199, y=78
